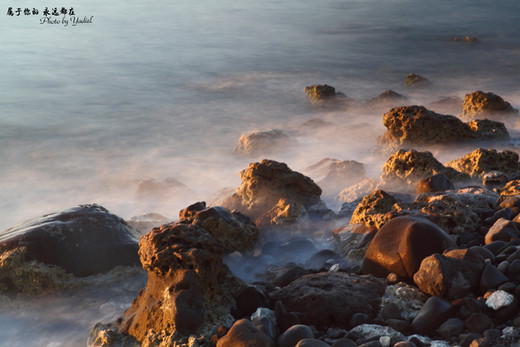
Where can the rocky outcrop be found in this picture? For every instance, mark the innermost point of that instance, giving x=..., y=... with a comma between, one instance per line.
x=44, y=253
x=189, y=289
x=373, y=209
x=511, y=188
x=482, y=161
x=320, y=93
x=274, y=195
x=144, y=223
x=416, y=125
x=332, y=175
x=261, y=142
x=401, y=245
x=415, y=81
x=488, y=105
x=244, y=333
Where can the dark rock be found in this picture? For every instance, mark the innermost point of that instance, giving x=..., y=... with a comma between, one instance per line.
x=324, y=259
x=83, y=241
x=513, y=270
x=452, y=327
x=512, y=202
x=250, y=298
x=358, y=319
x=371, y=344
x=435, y=183
x=344, y=342
x=478, y=322
x=405, y=344
x=402, y=244
x=413, y=80
x=492, y=334
x=447, y=105
x=484, y=253
x=466, y=306
x=386, y=99
x=294, y=334
x=298, y=250
x=433, y=313
x=494, y=180
x=244, y=333
x=491, y=278
x=285, y=319
x=495, y=246
x=352, y=240
x=465, y=340
x=330, y=299
x=261, y=142
x=267, y=326
x=285, y=274
x=144, y=223
x=400, y=325
x=312, y=343
x=508, y=287
x=390, y=311
x=504, y=230
x=505, y=213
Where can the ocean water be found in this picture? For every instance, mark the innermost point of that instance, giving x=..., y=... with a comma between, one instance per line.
x=164, y=89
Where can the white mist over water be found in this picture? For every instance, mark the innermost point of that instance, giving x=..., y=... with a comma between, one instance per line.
x=164, y=89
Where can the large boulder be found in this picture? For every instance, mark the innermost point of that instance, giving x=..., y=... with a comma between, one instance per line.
x=189, y=289
x=274, y=195
x=332, y=175
x=401, y=244
x=81, y=241
x=330, y=299
x=262, y=142
x=488, y=105
x=482, y=161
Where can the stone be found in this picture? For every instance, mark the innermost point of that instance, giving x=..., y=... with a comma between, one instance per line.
x=491, y=278
x=324, y=259
x=372, y=210
x=408, y=298
x=344, y=342
x=261, y=142
x=352, y=240
x=285, y=319
x=488, y=105
x=45, y=253
x=504, y=230
x=405, y=344
x=250, y=298
x=494, y=180
x=265, y=320
x=144, y=223
x=505, y=213
x=390, y=311
x=369, y=331
x=320, y=93
x=331, y=298
x=434, y=312
x=486, y=129
x=512, y=202
x=414, y=81
x=478, y=322
x=311, y=343
x=435, y=183
x=452, y=275
x=356, y=191
x=401, y=245
x=281, y=276
x=105, y=335
x=482, y=161
x=358, y=319
x=499, y=299
x=512, y=188
x=189, y=289
x=452, y=327
x=333, y=175
x=294, y=334
x=386, y=99
x=244, y=333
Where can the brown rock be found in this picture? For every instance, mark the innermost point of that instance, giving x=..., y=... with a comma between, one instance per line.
x=262, y=142
x=414, y=81
x=373, y=209
x=244, y=334
x=435, y=183
x=352, y=240
x=319, y=93
x=502, y=229
x=482, y=161
x=488, y=105
x=512, y=188
x=488, y=129
x=447, y=105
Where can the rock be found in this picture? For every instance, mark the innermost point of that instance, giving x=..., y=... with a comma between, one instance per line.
x=499, y=299
x=408, y=167
x=285, y=319
x=512, y=202
x=344, y=342
x=103, y=335
x=285, y=274
x=447, y=105
x=372, y=210
x=311, y=343
x=261, y=142
x=144, y=223
x=494, y=180
x=352, y=240
x=452, y=327
x=331, y=298
x=46, y=252
x=250, y=298
x=482, y=161
x=244, y=333
x=369, y=331
x=324, y=259
x=364, y=187
x=478, y=322
x=435, y=183
x=414, y=81
x=386, y=99
x=408, y=298
x=488, y=105
x=189, y=289
x=434, y=312
x=452, y=275
x=511, y=188
x=401, y=245
x=294, y=334
x=265, y=320
x=235, y=231
x=504, y=230
x=274, y=195
x=333, y=175
x=390, y=311
x=491, y=278
x=320, y=93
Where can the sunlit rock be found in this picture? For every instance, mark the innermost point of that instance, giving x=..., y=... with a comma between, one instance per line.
x=482, y=161
x=263, y=142
x=480, y=105
x=373, y=209
x=511, y=188
x=320, y=93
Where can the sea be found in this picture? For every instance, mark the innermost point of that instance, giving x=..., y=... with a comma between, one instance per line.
x=101, y=96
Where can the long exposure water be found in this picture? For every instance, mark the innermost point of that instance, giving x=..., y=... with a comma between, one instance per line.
x=164, y=89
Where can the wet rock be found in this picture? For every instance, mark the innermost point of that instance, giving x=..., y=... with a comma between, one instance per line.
x=44, y=253
x=499, y=299
x=244, y=333
x=390, y=311
x=105, y=335
x=434, y=312
x=478, y=322
x=352, y=193
x=261, y=142
x=386, y=99
x=482, y=161
x=414, y=81
x=503, y=230
x=488, y=105
x=435, y=183
x=250, y=298
x=344, y=342
x=320, y=93
x=491, y=278
x=486, y=129
x=452, y=327
x=494, y=179
x=452, y=275
x=285, y=319
x=369, y=331
x=352, y=240
x=324, y=259
x=285, y=274
x=144, y=223
x=333, y=175
x=512, y=202
x=294, y=334
x=265, y=320
x=189, y=289
x=401, y=245
x=331, y=298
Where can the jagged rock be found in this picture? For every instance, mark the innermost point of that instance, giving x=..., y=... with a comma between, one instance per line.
x=447, y=105
x=373, y=209
x=416, y=125
x=144, y=223
x=189, y=289
x=452, y=275
x=488, y=105
x=408, y=167
x=401, y=245
x=435, y=183
x=482, y=161
x=414, y=81
x=499, y=299
x=44, y=253
x=511, y=188
x=262, y=142
x=319, y=93
x=364, y=187
x=103, y=335
x=275, y=195
x=332, y=175
x=408, y=298
x=352, y=240
x=244, y=333
x=235, y=231
x=329, y=299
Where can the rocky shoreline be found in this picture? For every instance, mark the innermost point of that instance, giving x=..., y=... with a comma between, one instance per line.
x=428, y=254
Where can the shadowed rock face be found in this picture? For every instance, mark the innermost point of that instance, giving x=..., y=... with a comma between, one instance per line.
x=488, y=105
x=83, y=241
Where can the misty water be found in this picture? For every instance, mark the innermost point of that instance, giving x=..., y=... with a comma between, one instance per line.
x=164, y=89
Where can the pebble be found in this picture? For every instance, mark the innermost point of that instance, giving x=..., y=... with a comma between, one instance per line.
x=435, y=311
x=294, y=334
x=499, y=299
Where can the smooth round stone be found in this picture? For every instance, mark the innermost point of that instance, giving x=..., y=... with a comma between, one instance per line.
x=452, y=327
x=478, y=322
x=311, y=343
x=491, y=278
x=495, y=246
x=344, y=342
x=294, y=334
x=358, y=319
x=405, y=344
x=434, y=311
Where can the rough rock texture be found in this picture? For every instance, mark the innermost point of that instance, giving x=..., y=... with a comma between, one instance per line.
x=352, y=240
x=319, y=93
x=373, y=209
x=408, y=298
x=262, y=142
x=244, y=333
x=189, y=289
x=80, y=241
x=275, y=195
x=414, y=81
x=330, y=299
x=488, y=105
x=502, y=229
x=235, y=231
x=332, y=175
x=416, y=125
x=511, y=188
x=401, y=245
x=408, y=167
x=482, y=161
x=364, y=187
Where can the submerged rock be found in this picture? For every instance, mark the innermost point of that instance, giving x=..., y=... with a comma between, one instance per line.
x=80, y=241
x=257, y=143
x=332, y=175
x=482, y=161
x=414, y=81
x=320, y=93
x=488, y=105
x=386, y=99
